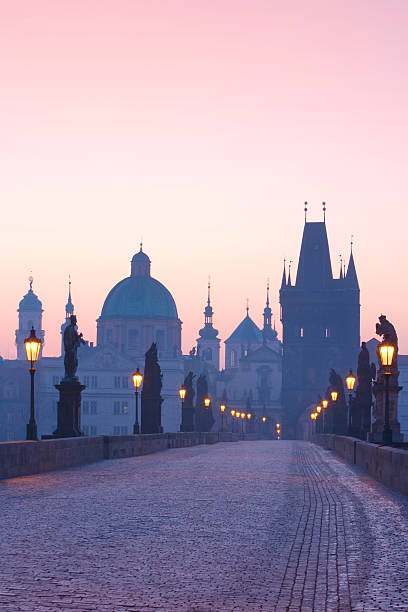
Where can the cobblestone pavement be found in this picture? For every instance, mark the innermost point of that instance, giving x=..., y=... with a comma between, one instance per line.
x=250, y=526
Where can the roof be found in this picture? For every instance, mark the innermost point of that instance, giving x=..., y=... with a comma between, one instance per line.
x=314, y=270
x=139, y=296
x=247, y=332
x=30, y=302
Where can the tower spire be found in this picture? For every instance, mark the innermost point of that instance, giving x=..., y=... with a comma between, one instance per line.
x=69, y=307
x=283, y=284
x=289, y=279
x=324, y=212
x=341, y=267
x=305, y=212
x=267, y=315
x=247, y=307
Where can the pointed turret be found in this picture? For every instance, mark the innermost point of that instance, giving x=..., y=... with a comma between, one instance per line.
x=351, y=276
x=283, y=284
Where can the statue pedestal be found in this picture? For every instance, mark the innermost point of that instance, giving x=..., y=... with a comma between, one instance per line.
x=379, y=390
x=69, y=409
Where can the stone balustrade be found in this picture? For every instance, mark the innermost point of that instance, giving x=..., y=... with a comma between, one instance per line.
x=28, y=457
x=386, y=464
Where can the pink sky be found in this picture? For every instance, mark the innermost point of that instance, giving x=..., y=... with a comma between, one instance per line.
x=201, y=126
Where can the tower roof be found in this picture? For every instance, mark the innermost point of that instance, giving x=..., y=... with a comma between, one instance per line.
x=351, y=279
x=247, y=332
x=30, y=301
x=314, y=270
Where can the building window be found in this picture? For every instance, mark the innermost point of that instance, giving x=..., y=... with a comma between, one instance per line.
x=116, y=382
x=301, y=332
x=125, y=408
x=125, y=382
x=326, y=332
x=233, y=359
x=92, y=430
x=86, y=381
x=109, y=336
x=208, y=355
x=94, y=382
x=133, y=338
x=85, y=407
x=116, y=407
x=56, y=380
x=94, y=407
x=85, y=429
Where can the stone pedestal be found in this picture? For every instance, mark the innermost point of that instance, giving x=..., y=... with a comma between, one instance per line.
x=69, y=409
x=379, y=390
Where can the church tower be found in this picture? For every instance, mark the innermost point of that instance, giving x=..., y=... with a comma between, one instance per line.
x=269, y=334
x=29, y=315
x=208, y=344
x=321, y=323
x=69, y=310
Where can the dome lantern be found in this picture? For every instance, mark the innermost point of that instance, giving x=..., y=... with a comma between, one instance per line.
x=140, y=265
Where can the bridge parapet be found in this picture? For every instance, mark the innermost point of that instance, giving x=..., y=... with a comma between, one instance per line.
x=386, y=464
x=28, y=457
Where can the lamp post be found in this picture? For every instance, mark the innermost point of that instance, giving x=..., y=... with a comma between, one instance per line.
x=387, y=355
x=222, y=408
x=249, y=417
x=32, y=346
x=325, y=403
x=242, y=424
x=334, y=395
x=137, y=381
x=350, y=382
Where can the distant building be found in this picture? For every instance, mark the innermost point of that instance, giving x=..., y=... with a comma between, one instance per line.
x=320, y=315
x=139, y=310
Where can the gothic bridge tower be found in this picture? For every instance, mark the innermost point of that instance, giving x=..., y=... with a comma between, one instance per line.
x=321, y=323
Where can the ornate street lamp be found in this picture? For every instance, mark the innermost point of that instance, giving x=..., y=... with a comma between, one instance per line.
x=207, y=402
x=222, y=408
x=137, y=381
x=350, y=382
x=264, y=419
x=325, y=403
x=387, y=355
x=32, y=346
x=334, y=396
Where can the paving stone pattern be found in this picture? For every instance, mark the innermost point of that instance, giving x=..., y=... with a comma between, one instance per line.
x=251, y=526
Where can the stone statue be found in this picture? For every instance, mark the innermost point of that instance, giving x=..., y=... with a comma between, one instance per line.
x=362, y=402
x=72, y=341
x=187, y=415
x=386, y=329
x=151, y=398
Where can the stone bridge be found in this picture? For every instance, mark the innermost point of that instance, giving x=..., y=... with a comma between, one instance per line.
x=251, y=526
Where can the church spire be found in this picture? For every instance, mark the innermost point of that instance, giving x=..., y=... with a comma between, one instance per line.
x=341, y=276
x=69, y=307
x=267, y=313
x=208, y=311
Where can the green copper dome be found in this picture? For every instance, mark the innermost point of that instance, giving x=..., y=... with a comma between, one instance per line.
x=139, y=295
